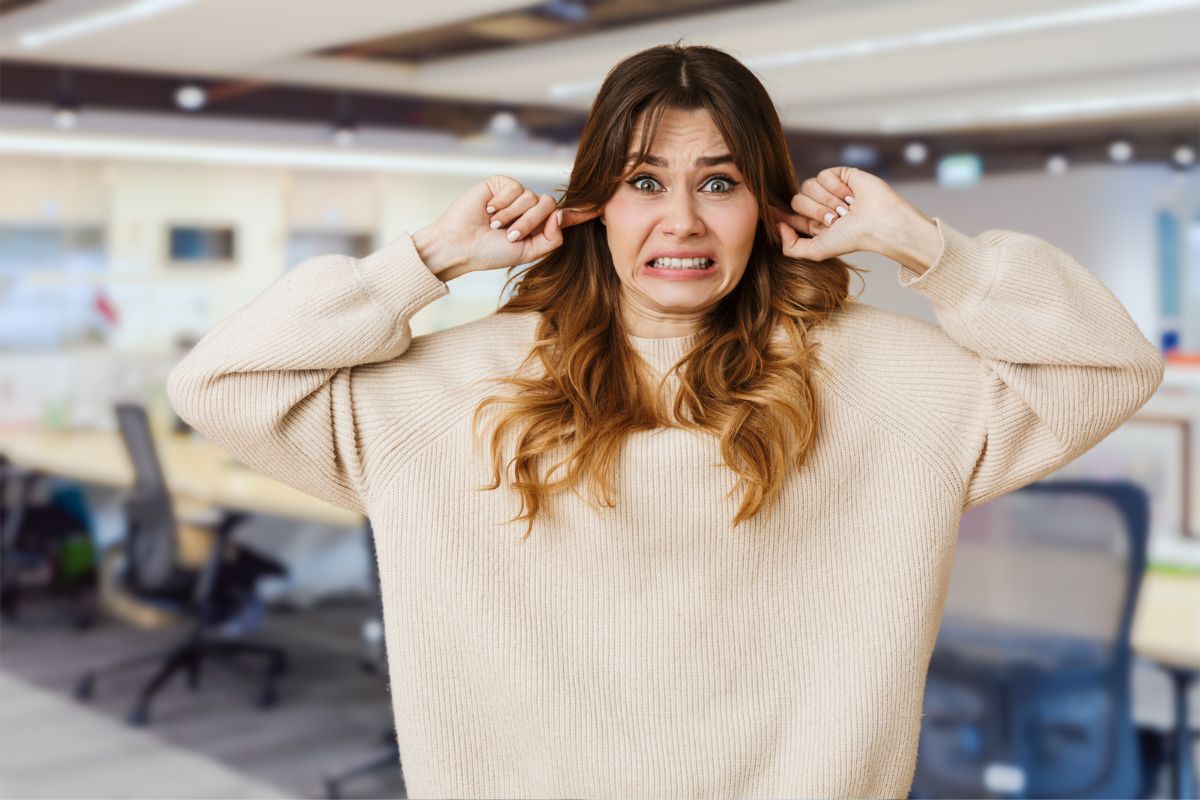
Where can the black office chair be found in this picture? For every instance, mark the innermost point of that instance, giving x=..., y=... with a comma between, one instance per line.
x=152, y=574
x=385, y=756
x=1029, y=691
x=45, y=545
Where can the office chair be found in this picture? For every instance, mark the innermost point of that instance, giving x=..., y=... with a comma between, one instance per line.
x=1028, y=693
x=45, y=544
x=385, y=756
x=152, y=573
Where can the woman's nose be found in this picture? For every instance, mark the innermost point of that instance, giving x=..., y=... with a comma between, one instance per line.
x=681, y=216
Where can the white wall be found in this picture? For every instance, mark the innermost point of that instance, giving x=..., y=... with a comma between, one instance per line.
x=1102, y=215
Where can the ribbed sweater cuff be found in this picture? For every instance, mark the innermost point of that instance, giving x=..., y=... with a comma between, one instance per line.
x=962, y=276
x=397, y=279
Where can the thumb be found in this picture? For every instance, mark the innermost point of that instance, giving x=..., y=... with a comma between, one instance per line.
x=797, y=246
x=793, y=245
x=573, y=216
x=547, y=240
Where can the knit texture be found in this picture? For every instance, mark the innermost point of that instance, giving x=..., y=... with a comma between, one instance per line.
x=650, y=650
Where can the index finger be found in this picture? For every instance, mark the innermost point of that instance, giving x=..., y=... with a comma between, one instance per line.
x=574, y=216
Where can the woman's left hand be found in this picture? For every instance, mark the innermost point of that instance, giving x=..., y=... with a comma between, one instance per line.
x=867, y=214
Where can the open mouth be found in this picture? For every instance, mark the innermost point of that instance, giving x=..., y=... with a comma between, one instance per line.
x=681, y=265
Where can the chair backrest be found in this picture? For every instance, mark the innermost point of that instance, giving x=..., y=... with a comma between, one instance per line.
x=150, y=546
x=1028, y=691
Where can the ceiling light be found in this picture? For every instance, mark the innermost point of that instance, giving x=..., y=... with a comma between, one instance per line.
x=959, y=170
x=1057, y=164
x=1184, y=155
x=1048, y=110
x=932, y=37
x=567, y=10
x=130, y=12
x=66, y=117
x=863, y=156
x=190, y=97
x=915, y=152
x=345, y=132
x=91, y=145
x=345, y=135
x=503, y=124
x=66, y=109
x=972, y=31
x=1120, y=150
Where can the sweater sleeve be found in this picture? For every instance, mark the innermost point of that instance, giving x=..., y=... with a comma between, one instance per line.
x=1060, y=363
x=274, y=382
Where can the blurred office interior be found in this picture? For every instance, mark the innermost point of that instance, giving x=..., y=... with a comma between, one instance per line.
x=163, y=161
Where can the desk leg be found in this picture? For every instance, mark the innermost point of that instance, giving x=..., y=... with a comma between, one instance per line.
x=1183, y=771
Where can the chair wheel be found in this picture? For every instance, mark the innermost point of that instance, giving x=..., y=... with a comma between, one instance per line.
x=139, y=717
x=83, y=689
x=268, y=697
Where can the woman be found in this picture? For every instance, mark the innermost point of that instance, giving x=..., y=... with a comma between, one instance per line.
x=658, y=636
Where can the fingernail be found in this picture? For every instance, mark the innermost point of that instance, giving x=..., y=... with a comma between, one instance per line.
x=495, y=224
x=829, y=218
x=849, y=200
x=513, y=234
x=559, y=215
x=491, y=210
x=842, y=211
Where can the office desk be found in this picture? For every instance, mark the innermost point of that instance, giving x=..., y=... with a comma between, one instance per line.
x=195, y=470
x=1166, y=629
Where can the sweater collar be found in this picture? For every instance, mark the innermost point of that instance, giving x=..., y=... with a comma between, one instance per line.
x=663, y=353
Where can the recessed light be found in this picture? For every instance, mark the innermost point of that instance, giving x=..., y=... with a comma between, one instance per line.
x=190, y=97
x=915, y=152
x=1057, y=164
x=1120, y=150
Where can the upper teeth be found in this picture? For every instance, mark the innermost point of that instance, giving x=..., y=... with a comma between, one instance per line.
x=686, y=263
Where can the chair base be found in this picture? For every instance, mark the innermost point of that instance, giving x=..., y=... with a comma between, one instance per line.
x=190, y=655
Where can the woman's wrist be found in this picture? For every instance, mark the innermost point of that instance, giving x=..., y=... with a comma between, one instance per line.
x=913, y=240
x=429, y=245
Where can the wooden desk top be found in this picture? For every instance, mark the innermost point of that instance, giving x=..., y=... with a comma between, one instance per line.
x=196, y=470
x=1166, y=622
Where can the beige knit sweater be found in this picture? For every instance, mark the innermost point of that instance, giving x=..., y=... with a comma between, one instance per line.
x=650, y=650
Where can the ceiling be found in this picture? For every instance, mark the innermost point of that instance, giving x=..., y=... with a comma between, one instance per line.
x=1013, y=78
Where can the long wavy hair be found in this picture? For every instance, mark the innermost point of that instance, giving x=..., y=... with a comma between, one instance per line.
x=735, y=383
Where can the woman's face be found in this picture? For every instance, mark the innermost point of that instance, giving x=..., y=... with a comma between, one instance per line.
x=679, y=204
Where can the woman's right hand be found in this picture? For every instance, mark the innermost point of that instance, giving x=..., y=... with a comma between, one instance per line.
x=463, y=240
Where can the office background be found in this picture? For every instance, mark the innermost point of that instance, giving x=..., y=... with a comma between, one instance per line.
x=163, y=161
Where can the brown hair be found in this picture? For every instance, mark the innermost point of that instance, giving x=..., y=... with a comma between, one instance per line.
x=758, y=399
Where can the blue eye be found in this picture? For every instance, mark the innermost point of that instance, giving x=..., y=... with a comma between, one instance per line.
x=637, y=179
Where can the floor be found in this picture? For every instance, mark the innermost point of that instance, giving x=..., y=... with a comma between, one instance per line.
x=214, y=742
x=331, y=713
x=42, y=730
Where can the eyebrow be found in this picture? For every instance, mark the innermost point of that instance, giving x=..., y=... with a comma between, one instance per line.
x=702, y=161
